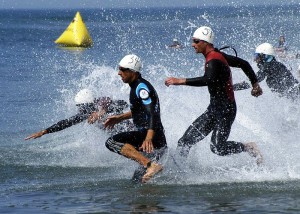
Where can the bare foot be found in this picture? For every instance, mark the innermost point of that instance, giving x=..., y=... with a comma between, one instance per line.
x=151, y=171
x=253, y=151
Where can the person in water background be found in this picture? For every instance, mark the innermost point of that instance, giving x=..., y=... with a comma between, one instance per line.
x=175, y=44
x=282, y=44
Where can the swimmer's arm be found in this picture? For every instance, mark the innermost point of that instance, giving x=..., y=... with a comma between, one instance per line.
x=114, y=119
x=61, y=125
x=125, y=116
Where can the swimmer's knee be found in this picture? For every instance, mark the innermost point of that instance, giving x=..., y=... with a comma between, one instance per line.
x=113, y=145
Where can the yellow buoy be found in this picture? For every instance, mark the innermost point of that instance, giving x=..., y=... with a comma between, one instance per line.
x=76, y=34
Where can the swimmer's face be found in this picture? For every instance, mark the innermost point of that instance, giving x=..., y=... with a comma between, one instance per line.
x=126, y=74
x=199, y=45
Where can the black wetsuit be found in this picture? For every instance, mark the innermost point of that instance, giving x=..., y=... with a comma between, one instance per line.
x=278, y=78
x=85, y=110
x=221, y=111
x=145, y=109
x=237, y=62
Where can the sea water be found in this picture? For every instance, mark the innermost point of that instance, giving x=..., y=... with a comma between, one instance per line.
x=72, y=171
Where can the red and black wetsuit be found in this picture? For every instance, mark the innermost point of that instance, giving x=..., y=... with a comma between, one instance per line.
x=220, y=113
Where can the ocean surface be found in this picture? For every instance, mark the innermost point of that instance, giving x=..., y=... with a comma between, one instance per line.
x=71, y=171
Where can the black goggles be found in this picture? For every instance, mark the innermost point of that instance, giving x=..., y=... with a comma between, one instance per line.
x=123, y=69
x=196, y=41
x=258, y=56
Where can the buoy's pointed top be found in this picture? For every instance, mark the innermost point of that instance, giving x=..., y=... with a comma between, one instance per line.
x=76, y=34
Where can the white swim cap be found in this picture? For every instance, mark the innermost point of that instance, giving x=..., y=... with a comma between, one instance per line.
x=132, y=62
x=84, y=96
x=204, y=33
x=265, y=48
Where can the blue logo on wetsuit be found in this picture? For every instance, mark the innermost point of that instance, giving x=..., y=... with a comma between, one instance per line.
x=142, y=91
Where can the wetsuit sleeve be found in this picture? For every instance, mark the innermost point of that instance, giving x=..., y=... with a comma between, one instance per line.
x=260, y=75
x=212, y=67
x=144, y=93
x=150, y=111
x=243, y=64
x=63, y=124
x=244, y=85
x=117, y=107
x=241, y=86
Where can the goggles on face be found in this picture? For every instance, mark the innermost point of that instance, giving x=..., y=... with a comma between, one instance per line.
x=257, y=56
x=196, y=41
x=263, y=57
x=123, y=69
